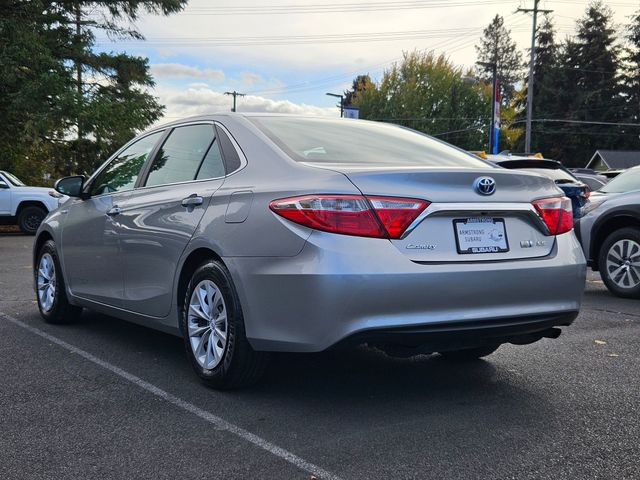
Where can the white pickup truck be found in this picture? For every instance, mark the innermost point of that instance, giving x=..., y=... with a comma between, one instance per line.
x=25, y=206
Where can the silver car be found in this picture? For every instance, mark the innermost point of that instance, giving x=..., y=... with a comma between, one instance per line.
x=249, y=234
x=610, y=233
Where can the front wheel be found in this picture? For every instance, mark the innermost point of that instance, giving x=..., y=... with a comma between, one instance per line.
x=50, y=291
x=619, y=262
x=30, y=219
x=469, y=354
x=213, y=329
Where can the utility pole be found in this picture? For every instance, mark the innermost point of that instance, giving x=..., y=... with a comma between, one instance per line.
x=235, y=94
x=341, y=97
x=494, y=128
x=535, y=10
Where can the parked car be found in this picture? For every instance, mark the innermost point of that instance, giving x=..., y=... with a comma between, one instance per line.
x=594, y=180
x=573, y=188
x=25, y=206
x=248, y=234
x=610, y=233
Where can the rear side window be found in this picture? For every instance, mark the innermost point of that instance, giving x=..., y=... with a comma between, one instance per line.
x=212, y=165
x=340, y=141
x=122, y=172
x=231, y=157
x=181, y=155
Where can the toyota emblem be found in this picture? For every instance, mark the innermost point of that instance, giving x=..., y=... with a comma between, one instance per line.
x=485, y=185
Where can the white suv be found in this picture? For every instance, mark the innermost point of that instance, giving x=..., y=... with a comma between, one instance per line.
x=25, y=206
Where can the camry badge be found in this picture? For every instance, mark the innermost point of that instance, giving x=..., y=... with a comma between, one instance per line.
x=485, y=185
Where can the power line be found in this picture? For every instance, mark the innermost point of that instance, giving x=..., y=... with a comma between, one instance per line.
x=279, y=9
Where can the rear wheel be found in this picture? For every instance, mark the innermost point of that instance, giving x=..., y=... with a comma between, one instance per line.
x=213, y=329
x=469, y=354
x=50, y=290
x=30, y=219
x=619, y=262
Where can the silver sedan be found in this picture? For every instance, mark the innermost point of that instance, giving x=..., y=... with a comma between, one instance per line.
x=249, y=234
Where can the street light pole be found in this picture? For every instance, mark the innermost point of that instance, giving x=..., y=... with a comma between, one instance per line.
x=341, y=97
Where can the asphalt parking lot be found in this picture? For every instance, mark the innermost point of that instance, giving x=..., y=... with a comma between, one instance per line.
x=107, y=399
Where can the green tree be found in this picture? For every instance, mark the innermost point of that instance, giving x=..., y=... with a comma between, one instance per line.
x=497, y=47
x=360, y=84
x=590, y=90
x=631, y=75
x=428, y=93
x=548, y=76
x=60, y=97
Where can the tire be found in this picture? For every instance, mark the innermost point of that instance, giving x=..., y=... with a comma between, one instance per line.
x=51, y=296
x=616, y=262
x=30, y=219
x=469, y=354
x=222, y=363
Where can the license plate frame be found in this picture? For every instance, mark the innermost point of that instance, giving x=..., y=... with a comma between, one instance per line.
x=497, y=228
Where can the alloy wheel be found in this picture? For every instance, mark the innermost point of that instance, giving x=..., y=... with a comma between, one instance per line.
x=46, y=282
x=207, y=324
x=623, y=263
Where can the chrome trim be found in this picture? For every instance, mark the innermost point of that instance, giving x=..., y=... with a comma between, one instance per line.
x=469, y=209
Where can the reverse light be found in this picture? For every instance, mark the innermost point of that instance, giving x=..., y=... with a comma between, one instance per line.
x=556, y=213
x=377, y=217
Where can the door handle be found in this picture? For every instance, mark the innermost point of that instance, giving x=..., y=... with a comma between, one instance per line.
x=115, y=210
x=192, y=200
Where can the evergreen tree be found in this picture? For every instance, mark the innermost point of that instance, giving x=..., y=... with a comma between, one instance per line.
x=360, y=84
x=590, y=89
x=68, y=106
x=632, y=70
x=496, y=46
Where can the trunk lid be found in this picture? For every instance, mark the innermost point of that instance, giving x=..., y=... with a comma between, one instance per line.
x=460, y=218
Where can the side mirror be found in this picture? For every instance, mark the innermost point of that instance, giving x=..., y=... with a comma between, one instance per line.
x=71, y=186
x=3, y=184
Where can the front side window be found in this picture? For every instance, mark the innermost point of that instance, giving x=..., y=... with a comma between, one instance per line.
x=15, y=181
x=122, y=172
x=181, y=157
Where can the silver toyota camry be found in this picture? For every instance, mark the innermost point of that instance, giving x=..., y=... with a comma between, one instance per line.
x=249, y=234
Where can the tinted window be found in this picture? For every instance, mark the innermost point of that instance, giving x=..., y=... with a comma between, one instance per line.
x=594, y=183
x=122, y=172
x=625, y=182
x=231, y=157
x=15, y=181
x=363, y=143
x=212, y=165
x=181, y=155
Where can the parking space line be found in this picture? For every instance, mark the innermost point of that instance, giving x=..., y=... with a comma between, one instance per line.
x=218, y=422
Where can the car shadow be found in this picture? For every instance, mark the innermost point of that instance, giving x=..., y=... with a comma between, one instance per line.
x=329, y=381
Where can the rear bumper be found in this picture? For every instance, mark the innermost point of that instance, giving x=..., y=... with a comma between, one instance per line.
x=343, y=289
x=466, y=334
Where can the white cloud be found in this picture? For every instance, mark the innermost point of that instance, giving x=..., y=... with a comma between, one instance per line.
x=182, y=103
x=250, y=78
x=178, y=70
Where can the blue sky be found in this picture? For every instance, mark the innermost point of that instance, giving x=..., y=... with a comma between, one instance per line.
x=287, y=54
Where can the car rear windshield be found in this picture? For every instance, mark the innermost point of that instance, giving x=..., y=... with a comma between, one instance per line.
x=625, y=182
x=356, y=142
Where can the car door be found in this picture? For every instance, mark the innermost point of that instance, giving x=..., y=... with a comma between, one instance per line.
x=5, y=196
x=90, y=236
x=161, y=216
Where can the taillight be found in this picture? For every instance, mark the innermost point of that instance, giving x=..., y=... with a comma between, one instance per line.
x=378, y=217
x=556, y=213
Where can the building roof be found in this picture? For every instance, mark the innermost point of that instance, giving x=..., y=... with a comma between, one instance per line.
x=616, y=159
